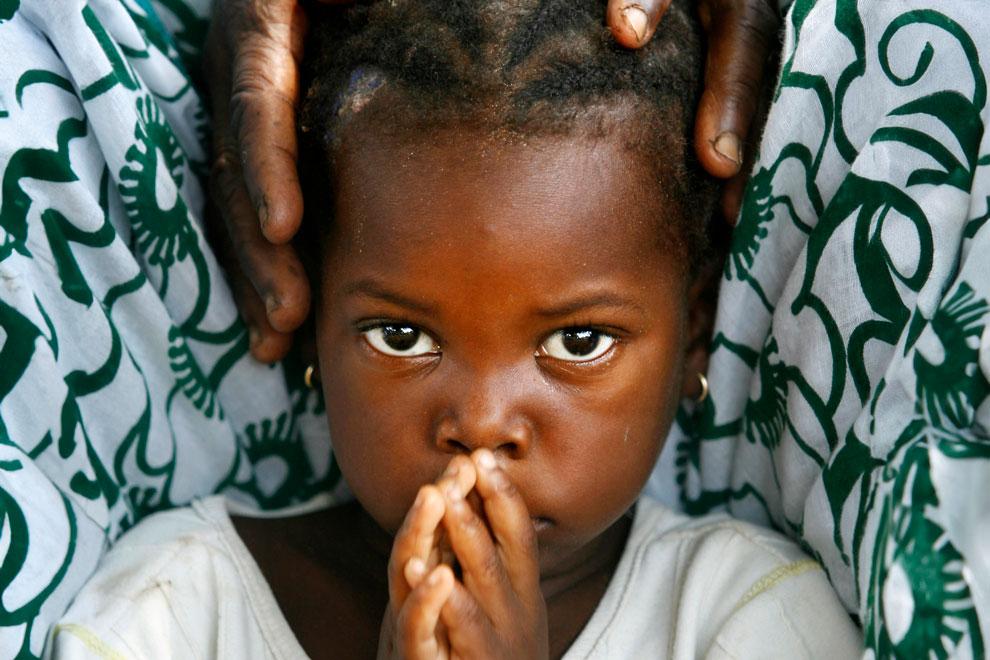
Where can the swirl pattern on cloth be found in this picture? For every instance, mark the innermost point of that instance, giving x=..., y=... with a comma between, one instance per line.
x=125, y=382
x=848, y=406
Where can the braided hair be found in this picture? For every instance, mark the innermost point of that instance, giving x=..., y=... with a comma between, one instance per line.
x=522, y=68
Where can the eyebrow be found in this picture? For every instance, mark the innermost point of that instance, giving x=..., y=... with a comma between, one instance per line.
x=589, y=301
x=369, y=288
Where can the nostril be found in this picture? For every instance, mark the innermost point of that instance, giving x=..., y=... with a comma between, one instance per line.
x=457, y=447
x=511, y=450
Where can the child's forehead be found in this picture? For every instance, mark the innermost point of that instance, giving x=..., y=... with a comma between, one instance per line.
x=501, y=197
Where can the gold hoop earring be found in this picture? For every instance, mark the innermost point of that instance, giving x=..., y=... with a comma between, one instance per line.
x=704, y=388
x=308, y=377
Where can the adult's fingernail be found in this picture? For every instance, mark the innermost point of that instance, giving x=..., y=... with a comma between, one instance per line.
x=271, y=303
x=263, y=215
x=636, y=19
x=727, y=145
x=254, y=337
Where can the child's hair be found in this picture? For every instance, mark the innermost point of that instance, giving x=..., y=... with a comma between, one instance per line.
x=520, y=68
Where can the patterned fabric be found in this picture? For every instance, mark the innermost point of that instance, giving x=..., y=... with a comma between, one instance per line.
x=849, y=398
x=125, y=383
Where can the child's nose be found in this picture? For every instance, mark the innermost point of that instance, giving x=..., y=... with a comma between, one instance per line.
x=489, y=416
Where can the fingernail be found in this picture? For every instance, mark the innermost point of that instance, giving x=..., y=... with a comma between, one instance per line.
x=254, y=337
x=636, y=18
x=727, y=146
x=434, y=578
x=271, y=303
x=453, y=492
x=263, y=215
x=486, y=460
x=415, y=568
x=451, y=471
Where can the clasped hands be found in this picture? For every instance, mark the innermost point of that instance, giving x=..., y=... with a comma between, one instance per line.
x=464, y=575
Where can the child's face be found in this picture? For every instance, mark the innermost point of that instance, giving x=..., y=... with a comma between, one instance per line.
x=529, y=306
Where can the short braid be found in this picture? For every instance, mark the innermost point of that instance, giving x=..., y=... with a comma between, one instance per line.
x=529, y=66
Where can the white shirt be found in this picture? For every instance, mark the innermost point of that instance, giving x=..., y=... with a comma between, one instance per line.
x=182, y=584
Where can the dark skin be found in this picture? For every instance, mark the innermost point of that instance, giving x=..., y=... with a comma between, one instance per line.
x=253, y=52
x=503, y=333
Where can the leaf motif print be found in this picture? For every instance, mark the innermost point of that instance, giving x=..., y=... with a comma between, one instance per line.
x=149, y=187
x=750, y=232
x=765, y=416
x=275, y=446
x=190, y=379
x=922, y=605
x=949, y=390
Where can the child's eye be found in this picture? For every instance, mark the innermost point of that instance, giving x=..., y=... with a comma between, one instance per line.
x=577, y=344
x=400, y=340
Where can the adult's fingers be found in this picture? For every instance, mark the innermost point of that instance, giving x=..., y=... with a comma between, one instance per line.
x=275, y=271
x=633, y=22
x=266, y=343
x=741, y=34
x=264, y=92
x=280, y=298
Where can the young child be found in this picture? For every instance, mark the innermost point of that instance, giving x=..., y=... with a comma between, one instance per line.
x=508, y=238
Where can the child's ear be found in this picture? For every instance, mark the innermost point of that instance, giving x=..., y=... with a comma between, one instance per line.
x=702, y=298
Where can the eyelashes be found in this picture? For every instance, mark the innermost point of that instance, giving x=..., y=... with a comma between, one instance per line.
x=400, y=340
x=577, y=344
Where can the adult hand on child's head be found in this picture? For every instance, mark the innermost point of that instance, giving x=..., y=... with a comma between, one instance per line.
x=253, y=52
x=742, y=35
x=252, y=63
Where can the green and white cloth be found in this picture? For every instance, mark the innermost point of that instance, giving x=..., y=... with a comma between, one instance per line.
x=125, y=382
x=849, y=381
x=850, y=403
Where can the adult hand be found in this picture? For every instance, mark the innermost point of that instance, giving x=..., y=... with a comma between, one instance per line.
x=742, y=34
x=253, y=51
x=252, y=73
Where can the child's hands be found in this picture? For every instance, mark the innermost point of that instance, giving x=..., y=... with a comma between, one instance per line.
x=496, y=609
x=420, y=577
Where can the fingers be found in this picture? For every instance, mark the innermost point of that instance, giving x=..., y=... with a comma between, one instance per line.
x=741, y=35
x=258, y=41
x=467, y=625
x=413, y=545
x=275, y=271
x=264, y=91
x=266, y=343
x=633, y=22
x=510, y=522
x=417, y=621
